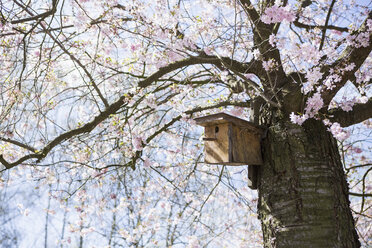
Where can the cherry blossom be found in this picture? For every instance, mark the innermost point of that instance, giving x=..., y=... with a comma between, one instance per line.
x=275, y=14
x=339, y=132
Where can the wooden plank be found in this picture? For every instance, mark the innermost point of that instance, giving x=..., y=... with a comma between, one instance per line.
x=246, y=146
x=221, y=118
x=230, y=137
x=216, y=151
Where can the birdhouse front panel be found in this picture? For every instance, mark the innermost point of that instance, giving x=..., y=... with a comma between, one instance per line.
x=217, y=143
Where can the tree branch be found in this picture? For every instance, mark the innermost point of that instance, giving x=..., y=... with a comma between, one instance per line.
x=326, y=24
x=251, y=67
x=361, y=195
x=105, y=102
x=307, y=26
x=36, y=17
x=261, y=34
x=17, y=143
x=360, y=112
x=350, y=55
x=88, y=127
x=73, y=58
x=357, y=166
x=255, y=87
x=251, y=11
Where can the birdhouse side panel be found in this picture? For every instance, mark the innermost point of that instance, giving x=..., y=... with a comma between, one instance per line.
x=246, y=147
x=217, y=144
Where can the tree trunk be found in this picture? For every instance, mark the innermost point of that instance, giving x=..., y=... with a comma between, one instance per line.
x=303, y=200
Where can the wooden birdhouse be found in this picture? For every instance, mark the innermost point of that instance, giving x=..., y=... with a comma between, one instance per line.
x=232, y=141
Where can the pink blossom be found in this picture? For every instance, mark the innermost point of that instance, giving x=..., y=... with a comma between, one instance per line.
x=275, y=14
x=312, y=76
x=369, y=25
x=208, y=51
x=272, y=39
x=331, y=80
x=237, y=111
x=269, y=65
x=362, y=99
x=193, y=242
x=298, y=119
x=125, y=234
x=314, y=104
x=162, y=35
x=9, y=133
x=363, y=39
x=151, y=100
x=256, y=54
x=349, y=67
x=249, y=75
x=50, y=211
x=327, y=122
x=308, y=52
x=79, y=209
x=22, y=210
x=124, y=45
x=134, y=47
x=147, y=162
x=161, y=63
x=224, y=75
x=336, y=32
x=138, y=143
x=338, y=132
x=173, y=56
x=187, y=43
x=359, y=40
x=347, y=105
x=357, y=150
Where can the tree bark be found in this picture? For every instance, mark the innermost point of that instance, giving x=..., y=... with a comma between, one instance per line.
x=303, y=193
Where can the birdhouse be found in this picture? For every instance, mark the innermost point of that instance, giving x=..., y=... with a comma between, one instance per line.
x=230, y=140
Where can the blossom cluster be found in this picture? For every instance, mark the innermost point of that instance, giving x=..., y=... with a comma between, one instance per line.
x=275, y=14
x=314, y=104
x=269, y=65
x=338, y=132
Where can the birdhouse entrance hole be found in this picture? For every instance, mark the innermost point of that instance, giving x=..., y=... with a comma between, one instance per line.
x=216, y=130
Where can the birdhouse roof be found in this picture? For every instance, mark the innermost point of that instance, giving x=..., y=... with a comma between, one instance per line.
x=220, y=118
